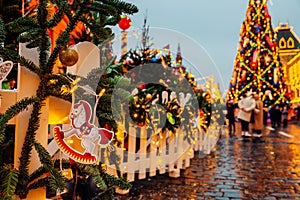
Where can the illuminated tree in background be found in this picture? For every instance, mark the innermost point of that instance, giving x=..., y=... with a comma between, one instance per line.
x=257, y=66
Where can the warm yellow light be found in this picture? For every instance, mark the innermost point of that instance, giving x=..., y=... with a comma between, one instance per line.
x=73, y=88
x=75, y=81
x=101, y=92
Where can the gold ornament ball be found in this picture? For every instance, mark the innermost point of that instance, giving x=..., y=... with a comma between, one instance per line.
x=148, y=96
x=68, y=57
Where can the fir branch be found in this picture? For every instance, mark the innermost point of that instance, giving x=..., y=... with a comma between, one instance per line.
x=2, y=31
x=44, y=44
x=25, y=157
x=56, y=181
x=8, y=54
x=112, y=180
x=58, y=16
x=105, y=116
x=44, y=156
x=34, y=43
x=29, y=36
x=112, y=20
x=23, y=24
x=55, y=178
x=122, y=6
x=37, y=173
x=42, y=182
x=95, y=28
x=104, y=9
x=63, y=39
x=12, y=112
x=93, y=171
x=9, y=177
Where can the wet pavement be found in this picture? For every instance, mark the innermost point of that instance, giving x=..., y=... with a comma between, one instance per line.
x=268, y=168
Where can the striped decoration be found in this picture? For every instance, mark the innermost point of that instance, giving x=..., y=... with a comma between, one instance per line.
x=124, y=43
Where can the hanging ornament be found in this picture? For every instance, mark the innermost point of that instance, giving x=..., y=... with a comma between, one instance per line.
x=257, y=28
x=254, y=60
x=84, y=130
x=5, y=68
x=68, y=57
x=267, y=59
x=148, y=96
x=270, y=43
x=243, y=76
x=170, y=118
x=142, y=86
x=246, y=41
x=275, y=80
x=125, y=23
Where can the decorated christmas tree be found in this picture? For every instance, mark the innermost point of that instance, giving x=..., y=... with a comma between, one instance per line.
x=257, y=67
x=34, y=31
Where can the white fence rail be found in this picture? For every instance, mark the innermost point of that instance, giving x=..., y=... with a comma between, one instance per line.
x=161, y=153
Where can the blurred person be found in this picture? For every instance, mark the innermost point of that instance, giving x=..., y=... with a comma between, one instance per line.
x=278, y=116
x=266, y=112
x=246, y=105
x=285, y=113
x=258, y=113
x=297, y=109
x=272, y=113
x=230, y=106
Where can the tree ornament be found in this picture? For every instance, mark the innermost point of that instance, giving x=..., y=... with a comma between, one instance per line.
x=170, y=118
x=84, y=130
x=254, y=60
x=68, y=57
x=5, y=68
x=125, y=23
x=267, y=59
x=148, y=96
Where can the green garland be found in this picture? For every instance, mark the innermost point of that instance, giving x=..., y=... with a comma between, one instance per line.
x=34, y=32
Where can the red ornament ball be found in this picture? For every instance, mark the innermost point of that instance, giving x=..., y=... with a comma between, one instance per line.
x=125, y=23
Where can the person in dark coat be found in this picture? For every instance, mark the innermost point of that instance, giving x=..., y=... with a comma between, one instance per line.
x=272, y=113
x=230, y=106
x=265, y=116
x=278, y=116
x=285, y=114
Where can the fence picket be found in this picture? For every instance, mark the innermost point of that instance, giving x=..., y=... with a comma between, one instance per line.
x=142, y=153
x=131, y=166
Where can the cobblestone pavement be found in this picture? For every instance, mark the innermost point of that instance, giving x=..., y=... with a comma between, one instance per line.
x=268, y=168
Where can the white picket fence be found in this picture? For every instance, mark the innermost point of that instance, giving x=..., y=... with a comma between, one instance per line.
x=147, y=154
x=161, y=153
